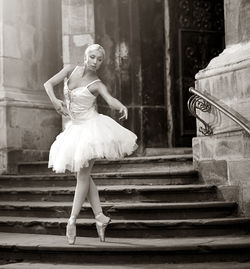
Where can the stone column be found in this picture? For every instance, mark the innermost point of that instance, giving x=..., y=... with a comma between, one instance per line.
x=78, y=26
x=78, y=29
x=30, y=50
x=224, y=158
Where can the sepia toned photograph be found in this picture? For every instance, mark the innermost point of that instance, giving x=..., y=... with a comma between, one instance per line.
x=125, y=134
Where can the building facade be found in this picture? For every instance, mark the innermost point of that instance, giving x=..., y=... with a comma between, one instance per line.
x=30, y=52
x=154, y=49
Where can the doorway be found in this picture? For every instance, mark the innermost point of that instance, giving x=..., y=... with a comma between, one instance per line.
x=132, y=32
x=196, y=36
x=133, y=35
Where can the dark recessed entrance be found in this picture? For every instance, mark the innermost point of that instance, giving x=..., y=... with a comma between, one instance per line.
x=133, y=34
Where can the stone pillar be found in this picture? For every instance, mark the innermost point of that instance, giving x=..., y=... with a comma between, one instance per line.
x=78, y=29
x=78, y=26
x=30, y=51
x=224, y=158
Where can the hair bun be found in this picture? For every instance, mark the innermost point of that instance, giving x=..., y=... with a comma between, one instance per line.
x=94, y=47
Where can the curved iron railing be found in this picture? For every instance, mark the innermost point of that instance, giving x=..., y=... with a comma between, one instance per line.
x=204, y=102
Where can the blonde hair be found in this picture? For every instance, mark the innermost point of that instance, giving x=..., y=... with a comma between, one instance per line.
x=91, y=48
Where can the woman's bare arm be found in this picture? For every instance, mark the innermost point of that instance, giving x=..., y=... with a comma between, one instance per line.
x=112, y=102
x=56, y=79
x=49, y=87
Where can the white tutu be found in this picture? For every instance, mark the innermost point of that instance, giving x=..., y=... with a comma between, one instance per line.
x=89, y=135
x=99, y=137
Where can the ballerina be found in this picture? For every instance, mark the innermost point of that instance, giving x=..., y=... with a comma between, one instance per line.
x=88, y=135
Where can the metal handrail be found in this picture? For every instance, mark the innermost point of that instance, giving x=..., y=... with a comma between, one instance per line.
x=209, y=100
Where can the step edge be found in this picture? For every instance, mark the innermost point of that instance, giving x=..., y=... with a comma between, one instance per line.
x=127, y=159
x=115, y=188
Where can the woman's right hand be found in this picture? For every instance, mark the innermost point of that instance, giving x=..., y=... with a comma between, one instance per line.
x=60, y=107
x=124, y=111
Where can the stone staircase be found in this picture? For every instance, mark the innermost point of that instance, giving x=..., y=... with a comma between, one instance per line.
x=162, y=217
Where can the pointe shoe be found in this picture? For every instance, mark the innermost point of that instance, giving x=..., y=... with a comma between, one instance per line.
x=71, y=232
x=101, y=227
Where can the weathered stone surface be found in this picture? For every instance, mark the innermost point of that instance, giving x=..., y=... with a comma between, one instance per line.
x=78, y=16
x=225, y=89
x=11, y=42
x=222, y=86
x=148, y=211
x=3, y=140
x=15, y=73
x=148, y=178
x=239, y=171
x=131, y=228
x=242, y=81
x=11, y=9
x=207, y=148
x=26, y=128
x=228, y=147
x=78, y=29
x=167, y=250
x=196, y=152
x=14, y=137
x=27, y=44
x=3, y=124
x=213, y=172
x=29, y=11
x=246, y=146
x=168, y=165
x=228, y=192
x=50, y=15
x=3, y=160
x=207, y=265
x=74, y=47
x=237, y=20
x=29, y=55
x=245, y=200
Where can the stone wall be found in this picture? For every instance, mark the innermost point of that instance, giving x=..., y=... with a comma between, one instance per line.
x=224, y=158
x=30, y=53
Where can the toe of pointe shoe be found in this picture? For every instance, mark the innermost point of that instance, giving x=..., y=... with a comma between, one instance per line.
x=101, y=228
x=71, y=233
x=71, y=241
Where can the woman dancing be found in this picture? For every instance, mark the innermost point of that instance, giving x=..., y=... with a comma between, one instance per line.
x=88, y=135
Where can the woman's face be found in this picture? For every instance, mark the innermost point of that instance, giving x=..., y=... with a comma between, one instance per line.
x=94, y=60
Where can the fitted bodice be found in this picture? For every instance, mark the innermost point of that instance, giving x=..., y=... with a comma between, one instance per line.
x=81, y=103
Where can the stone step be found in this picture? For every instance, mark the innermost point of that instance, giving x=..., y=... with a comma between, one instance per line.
x=127, y=211
x=124, y=251
x=167, y=151
x=128, y=193
x=130, y=228
x=132, y=164
x=181, y=177
x=205, y=265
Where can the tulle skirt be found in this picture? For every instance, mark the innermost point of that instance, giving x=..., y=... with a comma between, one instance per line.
x=98, y=137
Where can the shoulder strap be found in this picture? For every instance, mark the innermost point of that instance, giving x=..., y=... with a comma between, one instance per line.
x=72, y=72
x=92, y=82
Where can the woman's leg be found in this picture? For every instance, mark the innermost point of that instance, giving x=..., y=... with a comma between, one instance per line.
x=102, y=221
x=82, y=189
x=93, y=197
